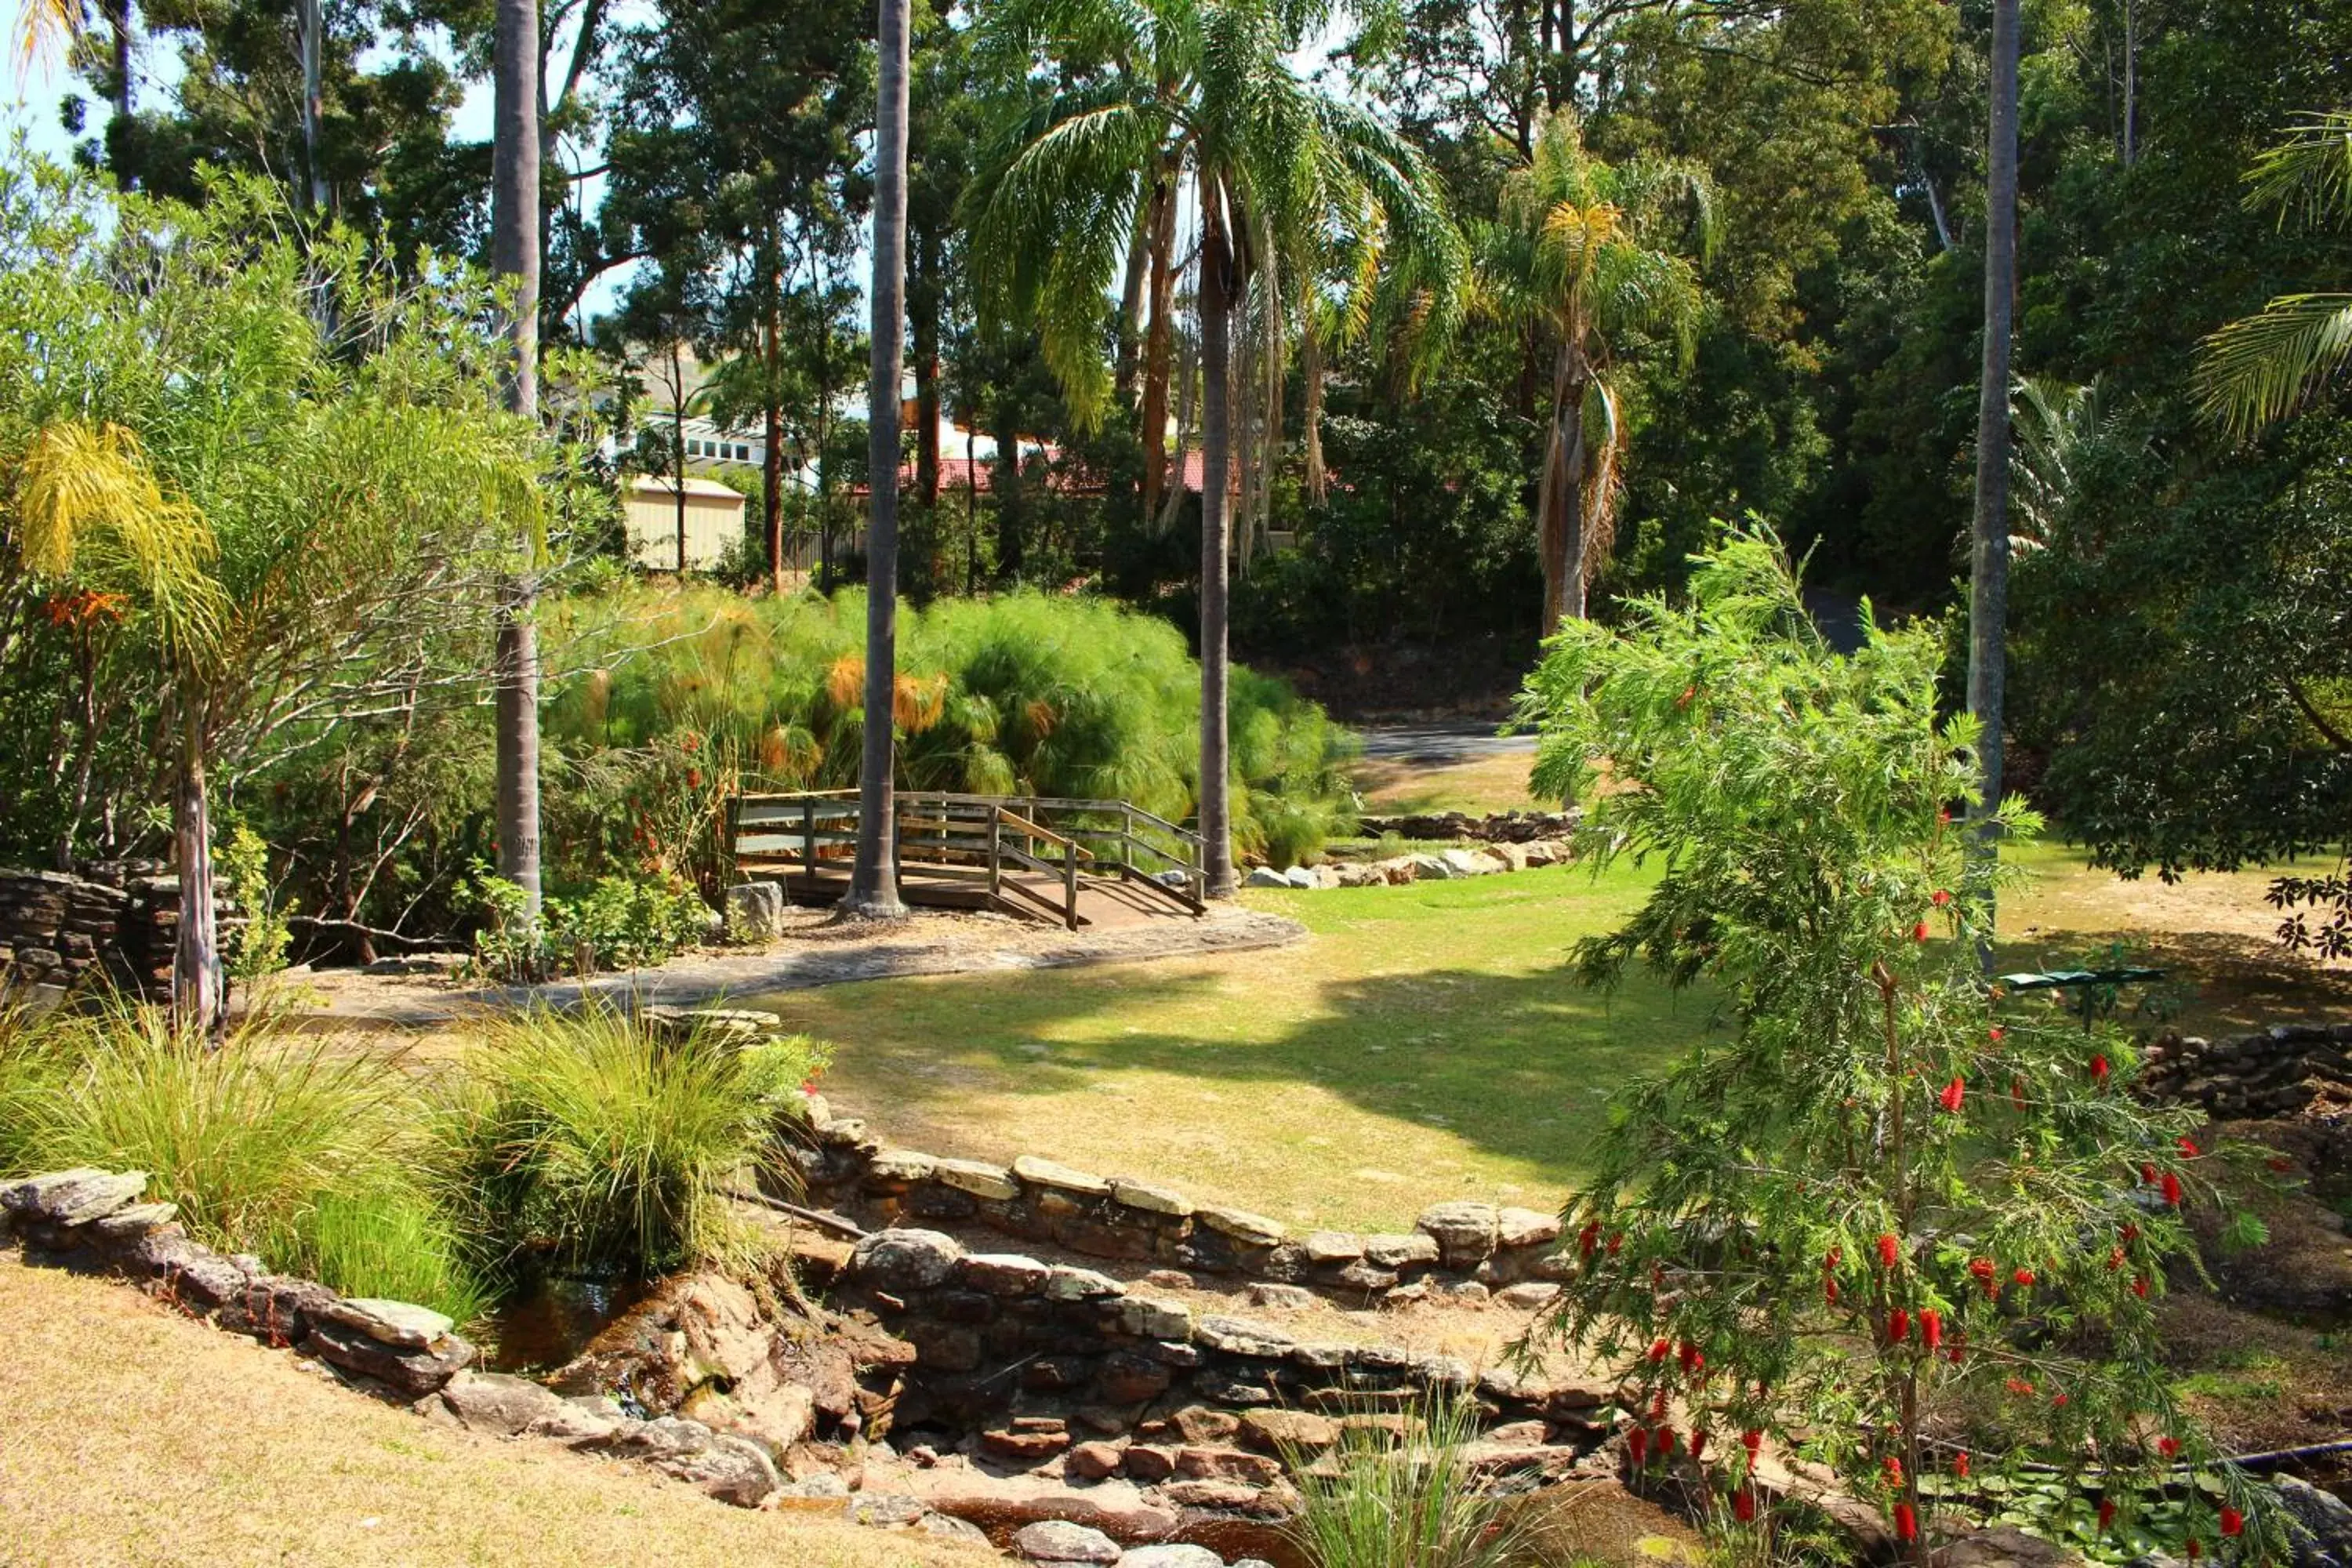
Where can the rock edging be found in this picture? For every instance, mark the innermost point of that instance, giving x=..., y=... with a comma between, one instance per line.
x=2283, y=1071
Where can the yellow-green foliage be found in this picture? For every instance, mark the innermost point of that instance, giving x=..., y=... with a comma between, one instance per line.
x=1027, y=693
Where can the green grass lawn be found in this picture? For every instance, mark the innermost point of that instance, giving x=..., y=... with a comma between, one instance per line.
x=1425, y=1044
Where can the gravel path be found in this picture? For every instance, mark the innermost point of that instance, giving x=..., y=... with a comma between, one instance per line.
x=816, y=952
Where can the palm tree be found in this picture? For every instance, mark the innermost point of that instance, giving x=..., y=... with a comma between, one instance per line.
x=874, y=881
x=1591, y=255
x=1185, y=104
x=1988, y=530
x=2257, y=371
x=514, y=253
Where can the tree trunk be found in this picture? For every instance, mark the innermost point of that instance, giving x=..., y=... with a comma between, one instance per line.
x=874, y=884
x=514, y=253
x=772, y=428
x=1162, y=292
x=196, y=999
x=1216, y=296
x=1311, y=372
x=970, y=506
x=1559, y=496
x=1010, y=544
x=1989, y=554
x=312, y=24
x=924, y=325
x=1130, y=294
x=2131, y=78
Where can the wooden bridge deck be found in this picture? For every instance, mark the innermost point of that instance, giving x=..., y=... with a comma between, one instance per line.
x=1107, y=864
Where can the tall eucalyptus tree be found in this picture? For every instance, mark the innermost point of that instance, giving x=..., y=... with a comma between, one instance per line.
x=514, y=255
x=1110, y=116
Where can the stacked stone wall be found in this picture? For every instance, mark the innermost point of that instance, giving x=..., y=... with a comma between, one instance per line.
x=59, y=930
x=2285, y=1071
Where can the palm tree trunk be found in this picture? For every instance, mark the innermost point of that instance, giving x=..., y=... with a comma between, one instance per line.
x=1311, y=372
x=874, y=883
x=771, y=426
x=1130, y=293
x=1559, y=518
x=514, y=252
x=1989, y=554
x=924, y=327
x=312, y=22
x=1157, y=342
x=1216, y=293
x=197, y=1000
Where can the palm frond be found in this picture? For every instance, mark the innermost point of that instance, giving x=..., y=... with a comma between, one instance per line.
x=2308, y=171
x=45, y=29
x=2258, y=369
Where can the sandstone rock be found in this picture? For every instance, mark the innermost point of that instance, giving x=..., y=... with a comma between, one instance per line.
x=2004, y=1547
x=732, y=1469
x=1025, y=1447
x=2320, y=1524
x=1401, y=1251
x=1003, y=1273
x=980, y=1179
x=1286, y=1431
x=1265, y=877
x=755, y=913
x=885, y=1513
x=400, y=1324
x=1125, y=1378
x=1518, y=1434
x=1466, y=1292
x=185, y=1270
x=130, y=1223
x=900, y=1261
x=1228, y=1496
x=412, y=1372
x=73, y=1197
x=275, y=1309
x=1061, y=1178
x=1333, y=1246
x=1287, y=1297
x=1241, y=1336
x=1170, y=1279
x=948, y=1527
x=1170, y=1554
x=1094, y=1461
x=892, y=1165
x=1067, y=1284
x=1150, y=1198
x=1150, y=1462
x=1432, y=868
x=1362, y=1276
x=1513, y=857
x=1525, y=1228
x=1255, y=1230
x=1057, y=1541
x=1527, y=1296
x=1465, y=1233
x=945, y=1347
x=1154, y=1319
x=1201, y=1426
x=506, y=1406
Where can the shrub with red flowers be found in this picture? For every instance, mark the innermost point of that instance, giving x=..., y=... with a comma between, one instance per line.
x=1849, y=1242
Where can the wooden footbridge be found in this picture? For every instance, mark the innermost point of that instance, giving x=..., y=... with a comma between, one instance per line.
x=1080, y=862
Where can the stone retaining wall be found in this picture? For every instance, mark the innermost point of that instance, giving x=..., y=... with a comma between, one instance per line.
x=2283, y=1071
x=1452, y=1246
x=1495, y=827
x=58, y=931
x=1060, y=1365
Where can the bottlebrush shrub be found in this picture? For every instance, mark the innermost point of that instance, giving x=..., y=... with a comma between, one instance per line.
x=1883, y=1145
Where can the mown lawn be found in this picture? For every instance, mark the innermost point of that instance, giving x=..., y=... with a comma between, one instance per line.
x=1426, y=1042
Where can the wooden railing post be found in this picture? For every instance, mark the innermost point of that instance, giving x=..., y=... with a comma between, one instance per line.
x=1070, y=881
x=1127, y=838
x=995, y=861
x=808, y=840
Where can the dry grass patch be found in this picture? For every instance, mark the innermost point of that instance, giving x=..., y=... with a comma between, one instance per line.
x=1394, y=785
x=134, y=1436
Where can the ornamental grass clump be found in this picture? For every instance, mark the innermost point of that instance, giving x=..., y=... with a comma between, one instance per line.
x=595, y=1143
x=1892, y=1193
x=1376, y=1499
x=289, y=1149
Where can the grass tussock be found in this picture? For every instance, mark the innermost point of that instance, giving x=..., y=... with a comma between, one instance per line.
x=591, y=1143
x=310, y=1159
x=1375, y=1501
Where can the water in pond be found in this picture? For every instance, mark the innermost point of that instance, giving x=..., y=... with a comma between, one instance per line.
x=551, y=1321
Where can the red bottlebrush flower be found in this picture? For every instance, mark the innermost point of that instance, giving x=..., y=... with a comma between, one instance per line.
x=1752, y=1440
x=2147, y=1175
x=2139, y=1286
x=2019, y=1386
x=1685, y=700
x=2115, y=1258
x=2232, y=1523
x=2172, y=1189
x=2169, y=1446
x=1658, y=1351
x=1931, y=1328
x=1836, y=1255
x=2188, y=1148
x=2196, y=1549
x=1616, y=1240
x=2023, y=1277
x=1953, y=1093
x=1943, y=818
x=1637, y=1445
x=1666, y=1442
x=1959, y=1349
x=2106, y=1513
x=1693, y=1359
x=2099, y=1068
x=1587, y=1238
x=694, y=778
x=1961, y=1465
x=1919, y=931
x=1889, y=1248
x=1697, y=1442
x=2131, y=1232
x=1907, y=1522
x=1829, y=1291
x=1939, y=897
x=1995, y=1033
x=1898, y=1326
x=1743, y=1505
x=1893, y=1472
x=1983, y=1269
x=2058, y=1401
x=2280, y=1163
x=2017, y=1093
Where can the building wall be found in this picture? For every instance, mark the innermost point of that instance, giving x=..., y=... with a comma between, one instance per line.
x=712, y=523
